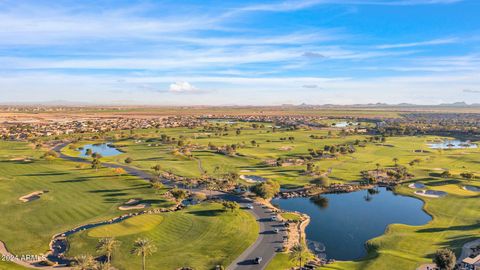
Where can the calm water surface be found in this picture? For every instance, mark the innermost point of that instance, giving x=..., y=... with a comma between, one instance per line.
x=452, y=144
x=344, y=222
x=103, y=149
x=345, y=124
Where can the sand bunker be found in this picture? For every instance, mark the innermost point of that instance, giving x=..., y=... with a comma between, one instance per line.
x=133, y=207
x=285, y=148
x=253, y=178
x=133, y=204
x=472, y=188
x=32, y=196
x=416, y=185
x=431, y=193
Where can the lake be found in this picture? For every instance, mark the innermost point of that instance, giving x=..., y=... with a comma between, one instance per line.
x=452, y=144
x=345, y=124
x=104, y=149
x=344, y=222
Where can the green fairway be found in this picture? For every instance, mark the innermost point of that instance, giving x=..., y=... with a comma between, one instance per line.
x=200, y=236
x=74, y=197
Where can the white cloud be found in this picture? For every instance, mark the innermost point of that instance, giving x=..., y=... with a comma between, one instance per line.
x=180, y=87
x=417, y=44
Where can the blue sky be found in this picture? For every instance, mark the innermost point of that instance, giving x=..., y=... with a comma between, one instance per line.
x=240, y=52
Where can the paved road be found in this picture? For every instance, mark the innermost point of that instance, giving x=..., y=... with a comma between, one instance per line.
x=267, y=242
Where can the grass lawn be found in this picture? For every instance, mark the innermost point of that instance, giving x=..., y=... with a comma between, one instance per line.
x=291, y=216
x=200, y=236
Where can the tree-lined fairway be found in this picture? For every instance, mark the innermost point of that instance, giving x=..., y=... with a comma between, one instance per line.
x=270, y=146
x=200, y=236
x=204, y=235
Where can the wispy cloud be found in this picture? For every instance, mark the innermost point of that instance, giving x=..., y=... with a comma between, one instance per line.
x=420, y=43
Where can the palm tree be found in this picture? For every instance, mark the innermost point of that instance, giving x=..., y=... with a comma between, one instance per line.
x=84, y=262
x=104, y=266
x=396, y=161
x=108, y=246
x=143, y=247
x=297, y=254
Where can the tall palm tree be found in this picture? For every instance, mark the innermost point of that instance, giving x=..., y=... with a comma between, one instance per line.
x=297, y=253
x=84, y=262
x=396, y=161
x=143, y=247
x=108, y=246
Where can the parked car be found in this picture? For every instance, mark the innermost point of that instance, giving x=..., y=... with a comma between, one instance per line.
x=276, y=230
x=274, y=218
x=249, y=206
x=258, y=260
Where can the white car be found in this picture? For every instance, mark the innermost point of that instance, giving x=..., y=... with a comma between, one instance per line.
x=249, y=206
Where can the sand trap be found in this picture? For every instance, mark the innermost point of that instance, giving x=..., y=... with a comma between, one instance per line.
x=285, y=148
x=133, y=207
x=416, y=185
x=245, y=171
x=133, y=204
x=472, y=188
x=431, y=193
x=253, y=178
x=32, y=196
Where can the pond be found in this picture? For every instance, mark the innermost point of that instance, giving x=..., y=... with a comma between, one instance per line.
x=344, y=124
x=452, y=144
x=344, y=222
x=104, y=149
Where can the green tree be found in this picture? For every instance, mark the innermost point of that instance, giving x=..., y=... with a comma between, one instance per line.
x=232, y=206
x=143, y=247
x=128, y=160
x=446, y=174
x=467, y=175
x=298, y=254
x=158, y=186
x=445, y=259
x=84, y=262
x=96, y=164
x=157, y=170
x=107, y=246
x=266, y=189
x=178, y=194
x=322, y=181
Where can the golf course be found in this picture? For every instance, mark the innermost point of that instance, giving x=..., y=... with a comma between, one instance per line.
x=43, y=194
